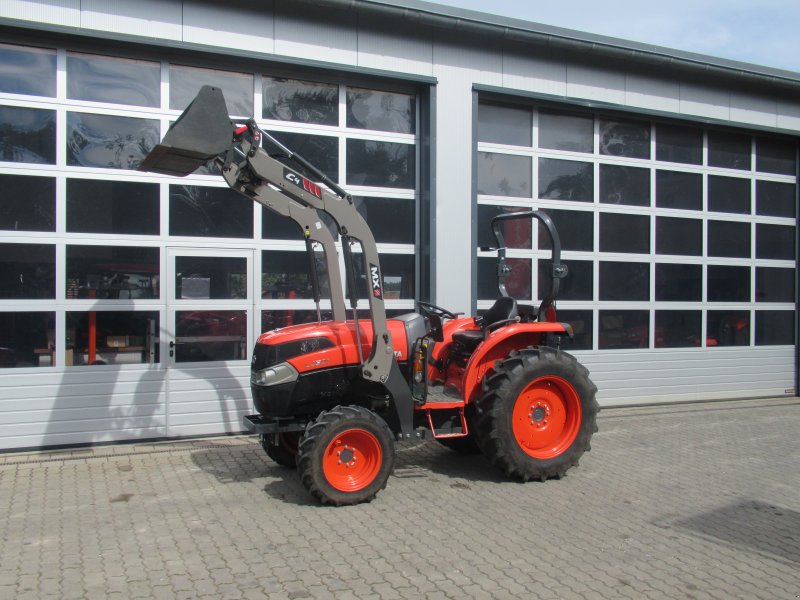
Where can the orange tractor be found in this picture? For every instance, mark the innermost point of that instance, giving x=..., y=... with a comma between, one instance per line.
x=334, y=397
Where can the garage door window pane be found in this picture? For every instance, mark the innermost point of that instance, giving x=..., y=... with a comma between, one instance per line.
x=775, y=155
x=501, y=124
x=100, y=206
x=27, y=135
x=504, y=175
x=112, y=272
x=517, y=233
x=683, y=237
x=678, y=329
x=774, y=285
x=185, y=82
x=210, y=278
x=620, y=329
x=518, y=283
x=624, y=281
x=210, y=335
x=381, y=111
x=729, y=150
x=564, y=131
x=300, y=101
x=30, y=71
x=209, y=212
x=27, y=203
x=566, y=180
x=577, y=285
x=286, y=274
x=728, y=284
x=391, y=219
x=114, y=80
x=380, y=164
x=729, y=194
x=675, y=143
x=275, y=319
x=774, y=328
x=112, y=338
x=775, y=199
x=624, y=185
x=625, y=138
x=322, y=151
x=624, y=233
x=27, y=271
x=775, y=242
x=679, y=283
x=728, y=328
x=582, y=322
x=27, y=339
x=398, y=276
x=575, y=229
x=728, y=238
x=675, y=189
x=109, y=142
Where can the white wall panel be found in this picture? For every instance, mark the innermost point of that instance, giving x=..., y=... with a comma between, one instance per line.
x=758, y=110
x=651, y=93
x=524, y=71
x=788, y=115
x=400, y=47
x=702, y=101
x=148, y=18
x=233, y=24
x=57, y=12
x=604, y=85
x=315, y=34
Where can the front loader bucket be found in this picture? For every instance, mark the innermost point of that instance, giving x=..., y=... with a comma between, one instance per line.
x=203, y=131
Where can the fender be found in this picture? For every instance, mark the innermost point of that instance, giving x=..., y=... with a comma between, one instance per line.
x=499, y=344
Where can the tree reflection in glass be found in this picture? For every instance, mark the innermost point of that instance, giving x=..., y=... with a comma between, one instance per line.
x=384, y=111
x=108, y=141
x=27, y=135
x=300, y=101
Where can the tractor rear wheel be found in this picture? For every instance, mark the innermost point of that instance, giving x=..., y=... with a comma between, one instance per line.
x=346, y=456
x=537, y=413
x=283, y=450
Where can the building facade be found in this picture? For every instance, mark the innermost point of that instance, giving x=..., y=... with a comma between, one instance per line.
x=130, y=302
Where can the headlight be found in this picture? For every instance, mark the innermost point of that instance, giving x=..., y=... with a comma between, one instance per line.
x=274, y=375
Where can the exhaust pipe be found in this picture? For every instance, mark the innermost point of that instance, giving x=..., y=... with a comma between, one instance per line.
x=202, y=132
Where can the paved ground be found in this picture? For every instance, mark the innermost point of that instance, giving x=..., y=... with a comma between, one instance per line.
x=693, y=501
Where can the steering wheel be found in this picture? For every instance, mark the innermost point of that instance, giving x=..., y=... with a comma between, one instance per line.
x=436, y=310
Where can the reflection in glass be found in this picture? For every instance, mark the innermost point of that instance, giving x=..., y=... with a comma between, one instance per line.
x=775, y=241
x=775, y=327
x=577, y=285
x=678, y=329
x=112, y=272
x=109, y=142
x=208, y=335
x=504, y=175
x=729, y=238
x=774, y=285
x=322, y=151
x=390, y=219
x=27, y=135
x=728, y=328
x=575, y=229
x=582, y=322
x=624, y=233
x=625, y=138
x=729, y=150
x=619, y=329
x=679, y=236
x=503, y=124
x=776, y=155
x=566, y=180
x=112, y=338
x=286, y=274
x=209, y=212
x=27, y=339
x=101, y=206
x=27, y=271
x=729, y=194
x=518, y=283
x=25, y=70
x=775, y=199
x=185, y=82
x=728, y=283
x=380, y=164
x=517, y=233
x=27, y=203
x=563, y=131
x=624, y=185
x=679, y=282
x=675, y=143
x=210, y=278
x=383, y=111
x=114, y=80
x=624, y=281
x=675, y=189
x=300, y=101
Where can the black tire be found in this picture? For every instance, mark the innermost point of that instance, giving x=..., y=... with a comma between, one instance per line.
x=557, y=391
x=358, y=471
x=282, y=449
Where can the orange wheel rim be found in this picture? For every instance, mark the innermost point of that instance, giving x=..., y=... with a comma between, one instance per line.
x=352, y=460
x=546, y=417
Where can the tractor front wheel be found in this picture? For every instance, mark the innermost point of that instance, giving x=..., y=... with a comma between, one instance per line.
x=346, y=456
x=537, y=413
x=282, y=449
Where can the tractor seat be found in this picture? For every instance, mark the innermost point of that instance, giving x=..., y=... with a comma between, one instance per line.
x=504, y=308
